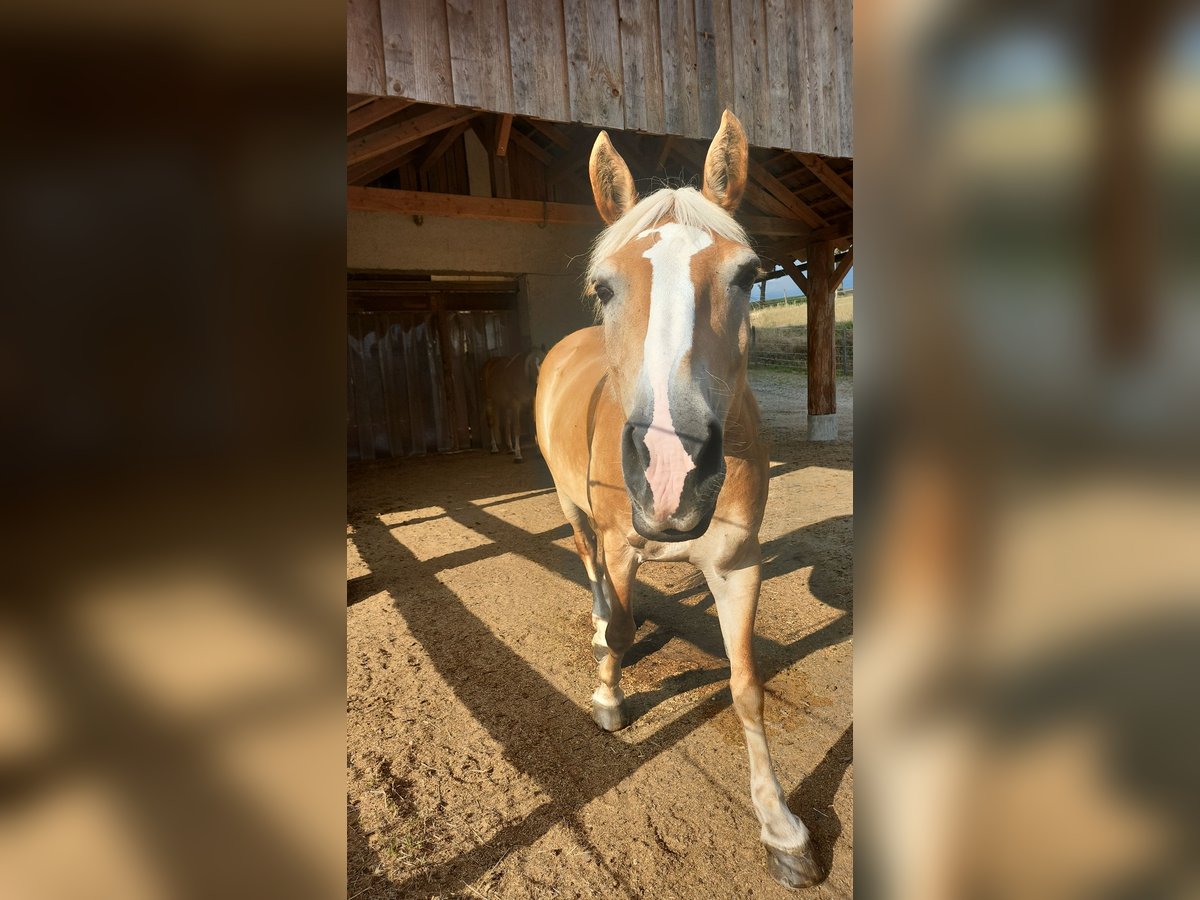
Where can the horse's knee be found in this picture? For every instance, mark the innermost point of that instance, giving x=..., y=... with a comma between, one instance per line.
x=618, y=636
x=747, y=694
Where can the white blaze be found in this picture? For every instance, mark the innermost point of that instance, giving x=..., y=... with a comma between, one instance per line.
x=668, y=339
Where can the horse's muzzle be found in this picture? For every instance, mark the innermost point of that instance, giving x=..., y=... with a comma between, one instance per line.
x=673, y=500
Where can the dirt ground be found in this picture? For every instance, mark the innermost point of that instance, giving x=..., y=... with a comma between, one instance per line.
x=474, y=767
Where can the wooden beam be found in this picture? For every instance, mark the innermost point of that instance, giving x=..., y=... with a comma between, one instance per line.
x=555, y=134
x=355, y=101
x=838, y=233
x=423, y=203
x=503, y=130
x=822, y=383
x=529, y=146
x=784, y=195
x=393, y=136
x=827, y=176
x=366, y=116
x=440, y=148
x=843, y=267
x=390, y=286
x=455, y=205
x=797, y=274
x=368, y=171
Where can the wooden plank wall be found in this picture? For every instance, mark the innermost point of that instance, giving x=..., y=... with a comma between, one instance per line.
x=658, y=66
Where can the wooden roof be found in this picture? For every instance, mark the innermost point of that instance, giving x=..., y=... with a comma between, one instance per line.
x=666, y=67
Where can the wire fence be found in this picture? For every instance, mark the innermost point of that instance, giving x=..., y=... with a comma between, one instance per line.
x=791, y=352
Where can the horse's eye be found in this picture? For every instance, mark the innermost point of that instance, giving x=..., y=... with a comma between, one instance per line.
x=603, y=292
x=746, y=276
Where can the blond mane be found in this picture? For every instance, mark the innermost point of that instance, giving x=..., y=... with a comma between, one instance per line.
x=685, y=205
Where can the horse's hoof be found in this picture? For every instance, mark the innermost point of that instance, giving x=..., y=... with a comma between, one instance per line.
x=795, y=868
x=518, y=460
x=493, y=450
x=610, y=718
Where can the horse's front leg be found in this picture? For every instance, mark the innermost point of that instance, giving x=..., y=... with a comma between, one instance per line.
x=514, y=420
x=735, y=586
x=493, y=420
x=612, y=616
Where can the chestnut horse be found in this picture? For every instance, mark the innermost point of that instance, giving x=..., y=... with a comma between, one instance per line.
x=508, y=386
x=650, y=430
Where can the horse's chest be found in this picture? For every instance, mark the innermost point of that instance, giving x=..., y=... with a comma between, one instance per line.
x=665, y=552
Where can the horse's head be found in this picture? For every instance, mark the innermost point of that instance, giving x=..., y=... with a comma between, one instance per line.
x=671, y=278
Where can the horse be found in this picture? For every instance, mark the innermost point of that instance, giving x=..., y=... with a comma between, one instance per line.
x=652, y=435
x=508, y=387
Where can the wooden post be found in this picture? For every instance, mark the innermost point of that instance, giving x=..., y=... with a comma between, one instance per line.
x=822, y=383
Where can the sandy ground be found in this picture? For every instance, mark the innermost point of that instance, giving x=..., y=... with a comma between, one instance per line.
x=474, y=767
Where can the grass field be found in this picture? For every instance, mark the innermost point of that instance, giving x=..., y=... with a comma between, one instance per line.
x=797, y=313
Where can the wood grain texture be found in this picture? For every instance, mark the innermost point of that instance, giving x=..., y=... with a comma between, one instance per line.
x=365, y=70
x=479, y=60
x=749, y=67
x=776, y=128
x=795, y=206
x=652, y=66
x=823, y=125
x=799, y=114
x=456, y=205
x=706, y=66
x=373, y=113
x=537, y=51
x=594, y=69
x=406, y=132
x=642, y=66
x=844, y=74
x=822, y=382
x=681, y=82
x=416, y=50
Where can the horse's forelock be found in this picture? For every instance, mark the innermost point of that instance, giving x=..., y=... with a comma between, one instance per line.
x=686, y=206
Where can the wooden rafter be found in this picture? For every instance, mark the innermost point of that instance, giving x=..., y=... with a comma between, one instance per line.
x=439, y=149
x=755, y=194
x=461, y=206
x=376, y=166
x=785, y=195
x=550, y=131
x=373, y=113
x=388, y=139
x=503, y=130
x=827, y=177
x=354, y=101
x=798, y=274
x=529, y=146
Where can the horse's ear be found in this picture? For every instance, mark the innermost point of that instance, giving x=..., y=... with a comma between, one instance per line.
x=612, y=185
x=726, y=164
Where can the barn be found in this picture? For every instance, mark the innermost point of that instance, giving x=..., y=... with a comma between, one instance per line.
x=468, y=131
x=469, y=218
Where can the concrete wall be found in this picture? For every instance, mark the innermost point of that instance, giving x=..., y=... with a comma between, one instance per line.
x=551, y=259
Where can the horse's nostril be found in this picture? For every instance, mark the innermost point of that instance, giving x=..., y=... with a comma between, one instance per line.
x=711, y=454
x=635, y=445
